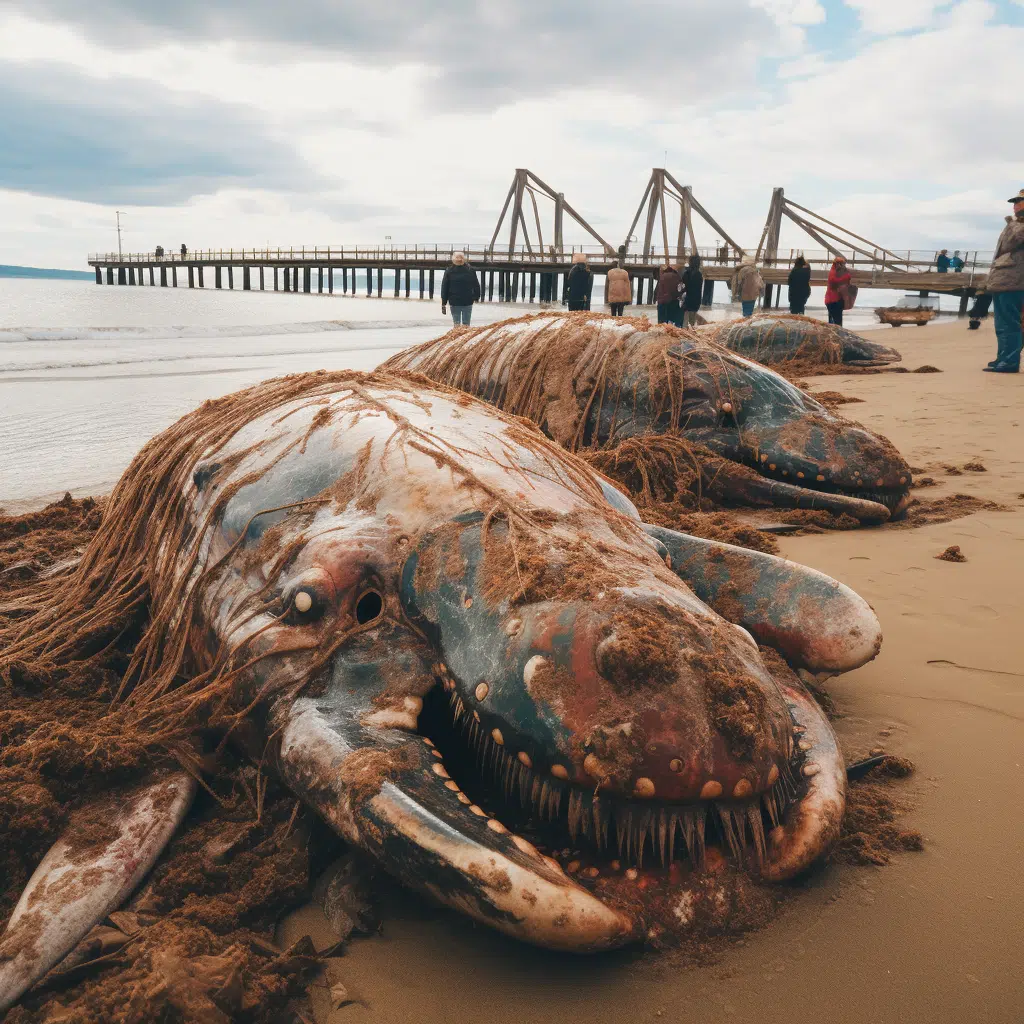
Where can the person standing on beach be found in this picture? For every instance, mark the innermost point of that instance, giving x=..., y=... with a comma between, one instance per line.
x=1006, y=286
x=667, y=297
x=579, y=283
x=693, y=289
x=839, y=279
x=459, y=289
x=942, y=262
x=747, y=285
x=799, y=286
x=618, y=289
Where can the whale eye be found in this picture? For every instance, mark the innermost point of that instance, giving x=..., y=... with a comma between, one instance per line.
x=306, y=605
x=369, y=607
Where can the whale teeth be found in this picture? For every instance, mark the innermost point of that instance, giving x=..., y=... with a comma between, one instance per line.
x=736, y=822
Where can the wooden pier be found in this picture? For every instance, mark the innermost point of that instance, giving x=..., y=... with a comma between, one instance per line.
x=523, y=269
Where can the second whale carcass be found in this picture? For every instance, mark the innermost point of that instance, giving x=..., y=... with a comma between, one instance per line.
x=461, y=648
x=778, y=339
x=675, y=404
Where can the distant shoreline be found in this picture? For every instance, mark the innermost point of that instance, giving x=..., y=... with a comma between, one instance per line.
x=9, y=270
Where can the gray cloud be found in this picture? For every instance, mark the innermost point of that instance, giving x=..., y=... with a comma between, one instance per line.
x=486, y=51
x=68, y=135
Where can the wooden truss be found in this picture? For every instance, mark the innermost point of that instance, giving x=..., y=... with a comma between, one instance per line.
x=831, y=236
x=527, y=183
x=660, y=186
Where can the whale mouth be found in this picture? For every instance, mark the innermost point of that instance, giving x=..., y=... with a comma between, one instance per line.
x=865, y=503
x=595, y=836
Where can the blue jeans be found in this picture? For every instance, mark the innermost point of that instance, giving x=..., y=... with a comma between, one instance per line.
x=461, y=314
x=748, y=307
x=1008, y=307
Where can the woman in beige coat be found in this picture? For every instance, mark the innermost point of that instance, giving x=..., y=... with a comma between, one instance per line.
x=747, y=285
x=618, y=289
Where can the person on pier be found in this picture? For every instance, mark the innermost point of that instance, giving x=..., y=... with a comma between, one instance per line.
x=1006, y=286
x=579, y=283
x=618, y=289
x=799, y=286
x=692, y=283
x=839, y=279
x=942, y=262
x=459, y=289
x=747, y=285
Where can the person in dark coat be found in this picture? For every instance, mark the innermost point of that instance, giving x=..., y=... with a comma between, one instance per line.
x=942, y=262
x=692, y=281
x=667, y=297
x=799, y=286
x=184, y=250
x=579, y=283
x=459, y=289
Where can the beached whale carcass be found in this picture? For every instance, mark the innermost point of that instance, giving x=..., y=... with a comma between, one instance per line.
x=779, y=338
x=596, y=384
x=461, y=648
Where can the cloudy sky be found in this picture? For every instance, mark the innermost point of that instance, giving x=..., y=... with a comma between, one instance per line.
x=231, y=123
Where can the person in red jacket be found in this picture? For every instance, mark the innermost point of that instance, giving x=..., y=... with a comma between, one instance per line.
x=838, y=278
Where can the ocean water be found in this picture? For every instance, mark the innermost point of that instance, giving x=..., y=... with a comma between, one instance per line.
x=89, y=373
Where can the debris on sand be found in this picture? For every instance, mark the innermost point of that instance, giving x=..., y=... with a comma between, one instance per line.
x=945, y=510
x=952, y=554
x=954, y=471
x=831, y=399
x=974, y=467
x=927, y=369
x=924, y=481
x=870, y=833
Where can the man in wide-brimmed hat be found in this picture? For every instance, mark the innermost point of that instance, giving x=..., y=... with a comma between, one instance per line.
x=459, y=289
x=1006, y=286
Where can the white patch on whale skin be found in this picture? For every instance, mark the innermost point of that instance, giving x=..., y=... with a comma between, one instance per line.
x=402, y=713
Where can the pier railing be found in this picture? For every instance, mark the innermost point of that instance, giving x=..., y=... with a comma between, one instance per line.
x=914, y=261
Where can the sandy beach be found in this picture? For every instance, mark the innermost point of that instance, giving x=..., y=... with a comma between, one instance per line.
x=934, y=936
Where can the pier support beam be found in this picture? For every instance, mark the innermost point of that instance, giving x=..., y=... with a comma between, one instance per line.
x=231, y=277
x=398, y=281
x=533, y=286
x=490, y=286
x=965, y=299
x=320, y=280
x=261, y=278
x=191, y=277
x=307, y=273
x=380, y=282
x=201, y=282
x=407, y=272
x=246, y=283
x=330, y=280
x=174, y=277
x=152, y=283
x=421, y=282
x=99, y=275
x=163, y=277
x=369, y=282
x=131, y=275
x=430, y=284
x=216, y=277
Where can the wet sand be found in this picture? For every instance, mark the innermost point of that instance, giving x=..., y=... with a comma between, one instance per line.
x=935, y=936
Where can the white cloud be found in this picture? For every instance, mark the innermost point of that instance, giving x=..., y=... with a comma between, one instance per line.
x=886, y=16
